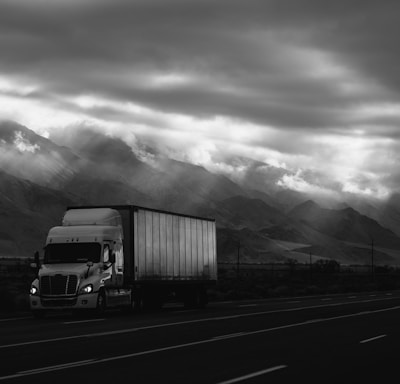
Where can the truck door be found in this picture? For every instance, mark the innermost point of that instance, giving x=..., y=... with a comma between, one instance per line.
x=108, y=267
x=119, y=263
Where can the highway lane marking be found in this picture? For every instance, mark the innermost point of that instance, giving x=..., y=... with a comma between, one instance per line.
x=55, y=367
x=48, y=369
x=313, y=321
x=229, y=335
x=220, y=302
x=290, y=299
x=101, y=360
x=372, y=339
x=248, y=305
x=254, y=374
x=16, y=318
x=186, y=311
x=190, y=344
x=82, y=321
x=228, y=317
x=326, y=299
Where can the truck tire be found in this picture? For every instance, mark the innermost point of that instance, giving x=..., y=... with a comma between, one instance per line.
x=190, y=298
x=152, y=300
x=136, y=303
x=101, y=303
x=203, y=297
x=195, y=298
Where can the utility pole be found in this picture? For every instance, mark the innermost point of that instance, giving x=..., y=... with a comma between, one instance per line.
x=310, y=267
x=238, y=260
x=372, y=260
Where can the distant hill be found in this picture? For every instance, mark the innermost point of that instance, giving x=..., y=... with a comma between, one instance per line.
x=252, y=213
x=26, y=155
x=27, y=211
x=345, y=224
x=165, y=184
x=389, y=216
x=252, y=246
x=40, y=177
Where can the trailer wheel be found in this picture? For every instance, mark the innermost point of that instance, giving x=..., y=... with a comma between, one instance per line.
x=191, y=298
x=203, y=297
x=195, y=298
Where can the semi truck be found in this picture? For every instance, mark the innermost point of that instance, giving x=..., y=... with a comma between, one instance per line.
x=125, y=256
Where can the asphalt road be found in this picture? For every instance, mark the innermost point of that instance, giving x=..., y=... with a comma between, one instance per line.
x=340, y=339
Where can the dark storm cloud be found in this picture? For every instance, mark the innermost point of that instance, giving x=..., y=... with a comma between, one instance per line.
x=304, y=78
x=95, y=48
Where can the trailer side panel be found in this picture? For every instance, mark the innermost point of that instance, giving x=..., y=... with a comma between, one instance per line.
x=172, y=247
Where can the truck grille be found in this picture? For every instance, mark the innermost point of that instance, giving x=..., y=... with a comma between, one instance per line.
x=58, y=285
x=65, y=302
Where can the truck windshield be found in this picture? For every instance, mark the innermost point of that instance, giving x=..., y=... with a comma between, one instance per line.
x=72, y=253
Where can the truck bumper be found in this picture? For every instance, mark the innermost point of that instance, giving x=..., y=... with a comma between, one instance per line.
x=87, y=301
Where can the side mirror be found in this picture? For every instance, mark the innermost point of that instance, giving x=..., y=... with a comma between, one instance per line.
x=36, y=258
x=89, y=265
x=112, y=258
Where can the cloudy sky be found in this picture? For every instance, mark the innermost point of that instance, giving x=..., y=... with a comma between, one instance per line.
x=308, y=85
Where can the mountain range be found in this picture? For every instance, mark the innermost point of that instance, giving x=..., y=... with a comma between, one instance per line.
x=40, y=177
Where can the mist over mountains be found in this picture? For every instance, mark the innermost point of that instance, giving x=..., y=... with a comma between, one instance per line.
x=40, y=176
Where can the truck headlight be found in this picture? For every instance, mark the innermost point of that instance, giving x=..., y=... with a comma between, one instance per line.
x=34, y=291
x=87, y=289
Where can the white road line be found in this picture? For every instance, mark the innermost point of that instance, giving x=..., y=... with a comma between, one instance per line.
x=326, y=299
x=372, y=295
x=16, y=318
x=190, y=344
x=82, y=321
x=248, y=305
x=55, y=367
x=251, y=375
x=207, y=319
x=229, y=335
x=388, y=294
x=294, y=302
x=48, y=369
x=352, y=297
x=372, y=339
x=186, y=311
x=314, y=321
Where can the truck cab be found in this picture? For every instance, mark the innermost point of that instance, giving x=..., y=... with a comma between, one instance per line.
x=83, y=263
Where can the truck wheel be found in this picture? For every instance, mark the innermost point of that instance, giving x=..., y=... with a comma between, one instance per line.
x=203, y=298
x=136, y=304
x=101, y=303
x=39, y=314
x=152, y=301
x=190, y=299
x=195, y=298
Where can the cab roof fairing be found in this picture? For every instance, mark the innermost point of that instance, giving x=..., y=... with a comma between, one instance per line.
x=84, y=234
x=92, y=216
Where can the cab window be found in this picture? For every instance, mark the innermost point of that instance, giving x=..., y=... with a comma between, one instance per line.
x=106, y=253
